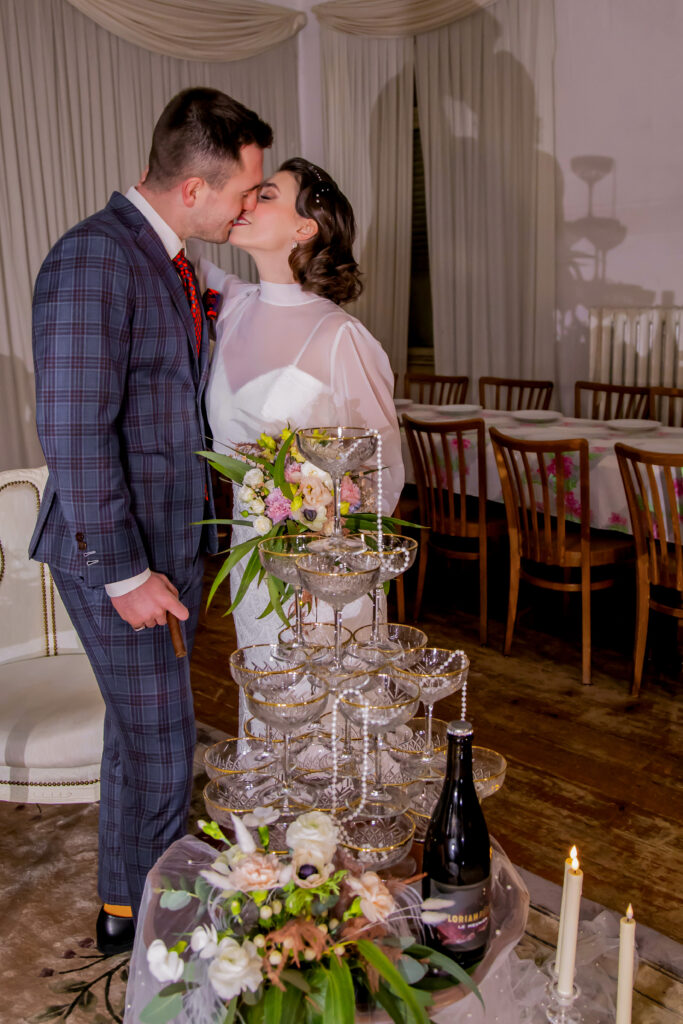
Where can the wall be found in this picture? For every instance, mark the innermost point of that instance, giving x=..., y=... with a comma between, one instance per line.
x=618, y=97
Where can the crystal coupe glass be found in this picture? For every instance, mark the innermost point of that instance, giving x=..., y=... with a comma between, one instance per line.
x=339, y=581
x=397, y=555
x=278, y=556
x=337, y=450
x=387, y=702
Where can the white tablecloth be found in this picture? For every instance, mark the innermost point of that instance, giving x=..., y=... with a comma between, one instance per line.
x=609, y=510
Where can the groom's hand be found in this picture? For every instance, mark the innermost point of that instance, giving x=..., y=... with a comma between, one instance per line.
x=147, y=604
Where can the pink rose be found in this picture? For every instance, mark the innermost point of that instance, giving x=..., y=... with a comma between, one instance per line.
x=350, y=492
x=292, y=472
x=278, y=506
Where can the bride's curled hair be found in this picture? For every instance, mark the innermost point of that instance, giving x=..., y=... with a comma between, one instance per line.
x=324, y=265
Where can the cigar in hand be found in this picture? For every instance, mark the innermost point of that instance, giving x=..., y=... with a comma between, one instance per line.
x=176, y=635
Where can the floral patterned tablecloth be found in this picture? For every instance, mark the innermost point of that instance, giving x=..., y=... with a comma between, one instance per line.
x=609, y=510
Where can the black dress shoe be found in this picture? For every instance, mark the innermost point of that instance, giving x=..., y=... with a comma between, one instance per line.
x=114, y=934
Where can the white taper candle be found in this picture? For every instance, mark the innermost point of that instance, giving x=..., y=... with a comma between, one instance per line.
x=627, y=943
x=565, y=966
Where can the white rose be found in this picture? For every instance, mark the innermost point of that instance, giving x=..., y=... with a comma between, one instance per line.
x=164, y=966
x=257, y=506
x=262, y=525
x=253, y=478
x=376, y=902
x=235, y=968
x=246, y=495
x=313, y=831
x=205, y=941
x=256, y=871
x=308, y=469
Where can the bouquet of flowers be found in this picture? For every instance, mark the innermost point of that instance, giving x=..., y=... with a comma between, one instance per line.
x=280, y=492
x=299, y=939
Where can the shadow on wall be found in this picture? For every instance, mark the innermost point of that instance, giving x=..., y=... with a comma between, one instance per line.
x=20, y=445
x=583, y=247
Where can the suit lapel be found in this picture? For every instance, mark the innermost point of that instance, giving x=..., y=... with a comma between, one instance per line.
x=150, y=243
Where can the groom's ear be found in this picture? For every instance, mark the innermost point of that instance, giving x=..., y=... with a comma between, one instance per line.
x=307, y=230
x=190, y=189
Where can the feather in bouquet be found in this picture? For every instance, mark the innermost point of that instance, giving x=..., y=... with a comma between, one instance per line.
x=298, y=939
x=280, y=492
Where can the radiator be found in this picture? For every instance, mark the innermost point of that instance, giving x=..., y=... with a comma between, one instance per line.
x=637, y=346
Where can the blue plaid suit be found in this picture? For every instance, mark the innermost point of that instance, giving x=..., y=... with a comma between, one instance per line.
x=119, y=391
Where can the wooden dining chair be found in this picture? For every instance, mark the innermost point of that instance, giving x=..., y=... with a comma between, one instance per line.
x=653, y=482
x=435, y=388
x=666, y=405
x=547, y=548
x=514, y=393
x=452, y=498
x=597, y=401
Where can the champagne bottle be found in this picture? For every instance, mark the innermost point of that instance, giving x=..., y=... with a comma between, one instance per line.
x=457, y=860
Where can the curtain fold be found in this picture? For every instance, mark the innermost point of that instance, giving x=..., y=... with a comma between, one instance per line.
x=206, y=30
x=485, y=99
x=368, y=102
x=77, y=109
x=388, y=18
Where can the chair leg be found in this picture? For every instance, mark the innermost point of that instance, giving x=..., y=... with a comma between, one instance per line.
x=642, y=616
x=586, y=628
x=512, y=600
x=483, y=594
x=421, y=573
x=400, y=600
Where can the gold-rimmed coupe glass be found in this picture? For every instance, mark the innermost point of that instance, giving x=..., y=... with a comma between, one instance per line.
x=387, y=702
x=337, y=450
x=397, y=554
x=438, y=672
x=395, y=641
x=278, y=557
x=338, y=581
x=287, y=705
x=263, y=661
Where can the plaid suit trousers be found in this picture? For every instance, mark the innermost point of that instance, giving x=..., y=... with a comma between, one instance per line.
x=149, y=734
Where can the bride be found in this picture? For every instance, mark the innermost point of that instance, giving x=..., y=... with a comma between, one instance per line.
x=288, y=355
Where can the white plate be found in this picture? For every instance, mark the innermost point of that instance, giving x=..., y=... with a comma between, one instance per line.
x=536, y=415
x=459, y=410
x=665, y=445
x=634, y=426
x=422, y=412
x=402, y=403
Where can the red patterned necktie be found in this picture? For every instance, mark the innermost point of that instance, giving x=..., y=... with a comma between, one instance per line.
x=184, y=268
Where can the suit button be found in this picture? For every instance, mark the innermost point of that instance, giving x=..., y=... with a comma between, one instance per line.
x=80, y=536
x=82, y=545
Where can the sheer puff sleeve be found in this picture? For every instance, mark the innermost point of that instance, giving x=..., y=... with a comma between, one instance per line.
x=362, y=383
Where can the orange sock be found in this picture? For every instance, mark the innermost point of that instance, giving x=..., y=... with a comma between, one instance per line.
x=117, y=911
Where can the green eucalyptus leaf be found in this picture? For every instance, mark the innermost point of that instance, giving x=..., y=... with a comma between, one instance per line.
x=162, y=1009
x=411, y=970
x=175, y=900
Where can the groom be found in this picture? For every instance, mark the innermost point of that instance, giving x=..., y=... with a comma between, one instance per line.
x=121, y=355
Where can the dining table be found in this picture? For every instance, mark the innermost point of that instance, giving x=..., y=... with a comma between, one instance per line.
x=608, y=506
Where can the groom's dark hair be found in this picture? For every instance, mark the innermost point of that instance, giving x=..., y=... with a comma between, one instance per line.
x=201, y=132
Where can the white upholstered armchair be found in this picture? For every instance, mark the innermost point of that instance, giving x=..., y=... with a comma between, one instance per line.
x=51, y=709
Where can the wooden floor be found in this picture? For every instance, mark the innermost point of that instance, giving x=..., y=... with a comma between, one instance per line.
x=586, y=765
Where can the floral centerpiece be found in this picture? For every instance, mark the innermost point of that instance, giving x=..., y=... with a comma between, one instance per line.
x=305, y=937
x=280, y=492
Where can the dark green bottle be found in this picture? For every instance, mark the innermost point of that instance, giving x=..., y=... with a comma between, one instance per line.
x=457, y=860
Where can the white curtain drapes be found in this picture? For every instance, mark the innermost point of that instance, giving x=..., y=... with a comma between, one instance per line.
x=485, y=100
x=387, y=18
x=206, y=30
x=77, y=109
x=368, y=103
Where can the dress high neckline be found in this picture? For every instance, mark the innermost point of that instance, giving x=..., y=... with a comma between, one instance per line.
x=284, y=294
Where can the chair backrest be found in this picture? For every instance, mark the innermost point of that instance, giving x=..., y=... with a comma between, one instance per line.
x=653, y=482
x=514, y=393
x=666, y=405
x=443, y=471
x=596, y=401
x=33, y=621
x=436, y=389
x=539, y=481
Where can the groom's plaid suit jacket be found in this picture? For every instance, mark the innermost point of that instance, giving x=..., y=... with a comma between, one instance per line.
x=119, y=405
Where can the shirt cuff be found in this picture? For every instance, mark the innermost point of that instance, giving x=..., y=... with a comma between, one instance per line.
x=122, y=587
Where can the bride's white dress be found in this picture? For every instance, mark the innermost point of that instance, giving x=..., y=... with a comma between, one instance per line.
x=287, y=357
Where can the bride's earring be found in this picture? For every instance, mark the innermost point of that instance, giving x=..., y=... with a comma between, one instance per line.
x=295, y=245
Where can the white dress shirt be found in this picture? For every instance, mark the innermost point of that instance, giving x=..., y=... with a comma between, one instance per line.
x=173, y=245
